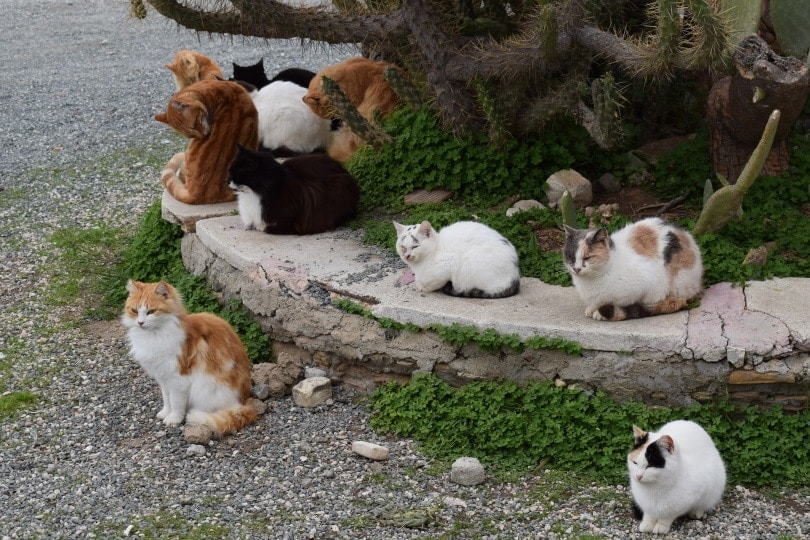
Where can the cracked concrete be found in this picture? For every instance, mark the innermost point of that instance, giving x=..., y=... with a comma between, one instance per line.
x=731, y=341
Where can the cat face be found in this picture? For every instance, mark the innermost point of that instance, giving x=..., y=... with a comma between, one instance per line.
x=150, y=305
x=586, y=251
x=415, y=242
x=186, y=115
x=249, y=169
x=653, y=460
x=253, y=74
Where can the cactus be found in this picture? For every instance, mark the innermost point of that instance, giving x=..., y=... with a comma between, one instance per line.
x=726, y=202
x=137, y=9
x=569, y=214
x=404, y=88
x=790, y=21
x=348, y=112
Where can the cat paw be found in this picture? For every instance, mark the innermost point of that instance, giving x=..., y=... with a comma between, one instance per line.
x=597, y=316
x=173, y=420
x=697, y=514
x=163, y=413
x=590, y=310
x=661, y=528
x=646, y=525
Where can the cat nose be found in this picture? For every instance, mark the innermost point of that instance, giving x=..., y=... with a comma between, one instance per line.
x=140, y=323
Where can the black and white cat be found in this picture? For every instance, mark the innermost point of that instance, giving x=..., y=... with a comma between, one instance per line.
x=303, y=195
x=647, y=268
x=254, y=74
x=674, y=472
x=463, y=259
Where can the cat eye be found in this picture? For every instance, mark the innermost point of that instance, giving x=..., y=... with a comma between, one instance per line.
x=150, y=311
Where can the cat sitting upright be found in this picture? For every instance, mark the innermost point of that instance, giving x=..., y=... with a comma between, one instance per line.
x=647, y=268
x=286, y=125
x=197, y=359
x=673, y=472
x=216, y=115
x=189, y=67
x=303, y=195
x=463, y=259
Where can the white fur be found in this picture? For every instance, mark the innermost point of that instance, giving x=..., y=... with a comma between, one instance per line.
x=630, y=278
x=250, y=207
x=285, y=120
x=691, y=482
x=470, y=254
x=156, y=342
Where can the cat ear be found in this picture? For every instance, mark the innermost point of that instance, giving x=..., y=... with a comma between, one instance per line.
x=639, y=436
x=570, y=231
x=600, y=236
x=163, y=289
x=400, y=228
x=133, y=286
x=425, y=229
x=666, y=444
x=161, y=117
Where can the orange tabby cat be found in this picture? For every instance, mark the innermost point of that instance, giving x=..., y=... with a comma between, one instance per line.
x=365, y=86
x=216, y=115
x=190, y=66
x=197, y=359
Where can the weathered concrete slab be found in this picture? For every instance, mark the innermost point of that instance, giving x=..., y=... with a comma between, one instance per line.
x=187, y=215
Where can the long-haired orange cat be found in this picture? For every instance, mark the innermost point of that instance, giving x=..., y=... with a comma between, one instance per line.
x=189, y=67
x=365, y=86
x=197, y=359
x=216, y=115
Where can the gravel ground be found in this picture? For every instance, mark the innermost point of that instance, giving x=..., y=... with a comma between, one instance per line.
x=78, y=89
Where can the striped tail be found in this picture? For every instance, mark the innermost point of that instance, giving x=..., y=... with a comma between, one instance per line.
x=224, y=421
x=670, y=304
x=511, y=290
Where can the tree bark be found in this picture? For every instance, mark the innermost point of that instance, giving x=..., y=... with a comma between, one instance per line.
x=739, y=106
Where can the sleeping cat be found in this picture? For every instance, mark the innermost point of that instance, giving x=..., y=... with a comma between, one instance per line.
x=365, y=87
x=197, y=359
x=647, y=268
x=216, y=115
x=303, y=195
x=463, y=259
x=286, y=124
x=674, y=472
x=190, y=66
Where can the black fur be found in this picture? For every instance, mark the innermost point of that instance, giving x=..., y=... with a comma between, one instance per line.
x=654, y=456
x=299, y=76
x=303, y=195
x=672, y=248
x=253, y=74
x=633, y=311
x=638, y=442
x=513, y=289
x=638, y=514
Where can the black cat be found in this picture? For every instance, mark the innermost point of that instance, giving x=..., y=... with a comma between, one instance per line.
x=255, y=75
x=303, y=195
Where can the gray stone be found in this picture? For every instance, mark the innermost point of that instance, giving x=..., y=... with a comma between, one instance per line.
x=370, y=450
x=310, y=372
x=571, y=181
x=197, y=434
x=260, y=391
x=467, y=471
x=607, y=183
x=522, y=206
x=195, y=450
x=312, y=392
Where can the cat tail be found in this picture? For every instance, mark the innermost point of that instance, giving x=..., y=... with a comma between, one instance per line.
x=670, y=304
x=638, y=513
x=224, y=421
x=511, y=290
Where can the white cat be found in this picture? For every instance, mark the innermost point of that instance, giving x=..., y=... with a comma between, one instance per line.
x=647, y=268
x=674, y=472
x=286, y=122
x=463, y=259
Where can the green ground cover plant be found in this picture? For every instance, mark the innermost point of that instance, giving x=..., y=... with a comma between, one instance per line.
x=516, y=428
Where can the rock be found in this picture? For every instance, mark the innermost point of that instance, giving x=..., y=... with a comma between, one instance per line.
x=467, y=471
x=310, y=372
x=370, y=450
x=257, y=405
x=197, y=434
x=195, y=450
x=280, y=375
x=312, y=392
x=260, y=391
x=607, y=183
x=571, y=181
x=522, y=206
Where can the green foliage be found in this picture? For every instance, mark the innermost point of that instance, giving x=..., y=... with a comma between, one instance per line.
x=13, y=402
x=515, y=427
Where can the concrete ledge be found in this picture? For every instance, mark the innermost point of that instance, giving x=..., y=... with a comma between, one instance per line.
x=290, y=282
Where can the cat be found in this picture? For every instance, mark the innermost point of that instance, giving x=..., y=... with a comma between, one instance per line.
x=362, y=80
x=463, y=259
x=254, y=74
x=673, y=472
x=647, y=268
x=216, y=115
x=286, y=124
x=197, y=359
x=299, y=76
x=303, y=195
x=189, y=67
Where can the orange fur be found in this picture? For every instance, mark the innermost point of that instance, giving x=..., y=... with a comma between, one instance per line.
x=365, y=86
x=189, y=67
x=211, y=346
x=216, y=115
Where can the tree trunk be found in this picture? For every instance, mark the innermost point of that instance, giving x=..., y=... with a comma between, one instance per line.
x=738, y=107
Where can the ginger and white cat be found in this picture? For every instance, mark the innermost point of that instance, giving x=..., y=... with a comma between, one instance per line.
x=285, y=121
x=197, y=359
x=674, y=472
x=463, y=259
x=189, y=67
x=647, y=268
x=216, y=116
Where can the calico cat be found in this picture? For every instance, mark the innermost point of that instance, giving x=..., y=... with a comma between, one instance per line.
x=216, y=115
x=365, y=86
x=197, y=359
x=647, y=268
x=673, y=472
x=303, y=195
x=463, y=259
x=189, y=67
x=286, y=125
